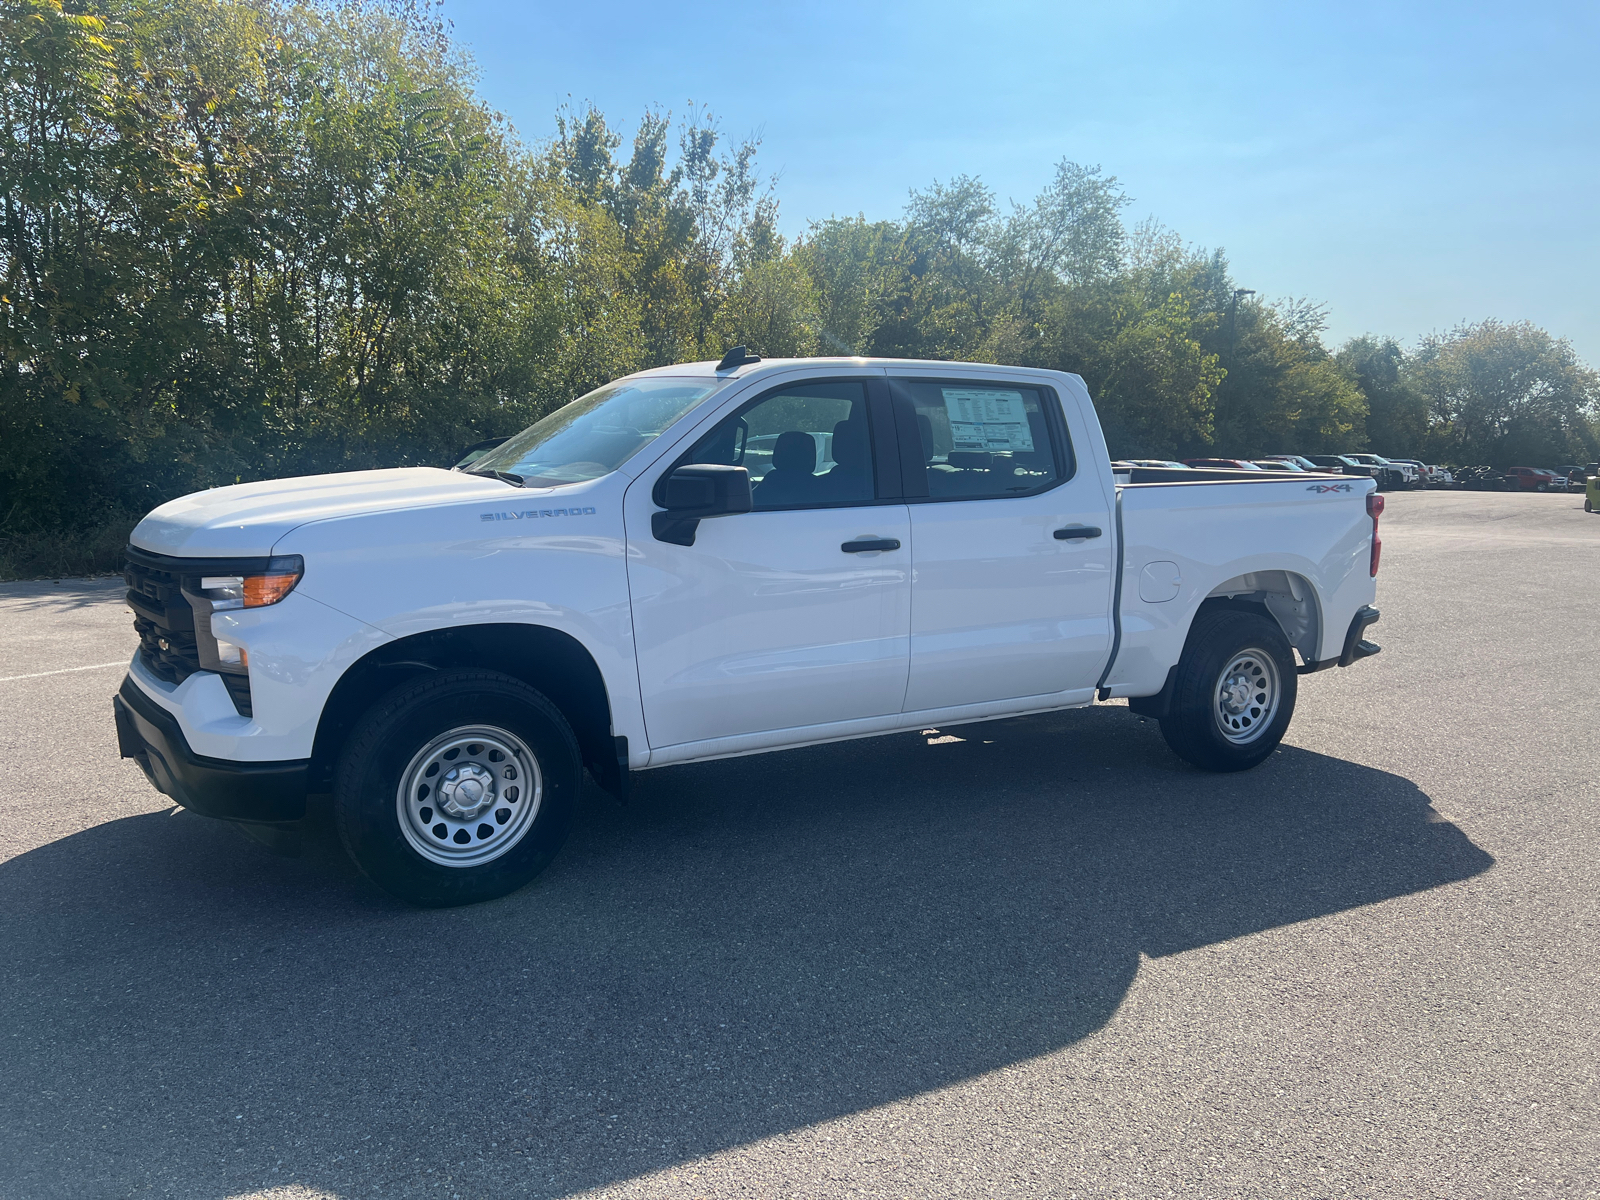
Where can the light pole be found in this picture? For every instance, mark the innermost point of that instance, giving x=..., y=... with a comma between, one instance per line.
x=1233, y=318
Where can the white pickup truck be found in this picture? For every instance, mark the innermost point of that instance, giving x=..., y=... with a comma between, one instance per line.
x=708, y=560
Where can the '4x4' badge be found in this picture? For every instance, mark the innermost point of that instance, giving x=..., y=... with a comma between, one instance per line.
x=1324, y=488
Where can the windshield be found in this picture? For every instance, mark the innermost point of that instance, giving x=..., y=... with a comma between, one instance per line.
x=597, y=433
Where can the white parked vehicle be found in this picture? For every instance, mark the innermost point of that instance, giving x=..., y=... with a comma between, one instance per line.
x=708, y=560
x=1402, y=474
x=1430, y=476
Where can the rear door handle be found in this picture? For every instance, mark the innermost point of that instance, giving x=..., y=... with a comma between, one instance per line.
x=1075, y=533
x=862, y=545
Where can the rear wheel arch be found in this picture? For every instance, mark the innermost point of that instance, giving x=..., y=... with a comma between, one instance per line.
x=548, y=660
x=1286, y=596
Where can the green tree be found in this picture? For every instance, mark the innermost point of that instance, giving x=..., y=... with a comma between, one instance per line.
x=1157, y=385
x=1397, y=412
x=1283, y=392
x=860, y=272
x=1507, y=395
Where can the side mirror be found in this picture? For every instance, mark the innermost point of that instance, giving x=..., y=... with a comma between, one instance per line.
x=695, y=492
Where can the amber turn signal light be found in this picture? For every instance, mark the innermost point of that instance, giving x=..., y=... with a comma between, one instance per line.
x=261, y=590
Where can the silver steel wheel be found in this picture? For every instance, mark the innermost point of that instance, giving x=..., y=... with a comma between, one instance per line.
x=1246, y=696
x=469, y=795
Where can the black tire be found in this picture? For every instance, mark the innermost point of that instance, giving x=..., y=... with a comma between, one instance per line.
x=1588, y=505
x=1193, y=726
x=409, y=723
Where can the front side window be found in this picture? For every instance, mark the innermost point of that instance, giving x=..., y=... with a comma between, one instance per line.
x=981, y=441
x=807, y=446
x=597, y=433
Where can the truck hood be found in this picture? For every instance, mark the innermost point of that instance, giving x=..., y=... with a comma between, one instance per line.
x=248, y=519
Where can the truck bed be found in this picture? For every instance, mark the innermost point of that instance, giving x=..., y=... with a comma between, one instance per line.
x=1298, y=542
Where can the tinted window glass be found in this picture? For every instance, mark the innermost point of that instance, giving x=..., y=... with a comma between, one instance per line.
x=981, y=441
x=805, y=446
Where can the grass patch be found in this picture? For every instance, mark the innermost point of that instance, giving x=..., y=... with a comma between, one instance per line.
x=66, y=553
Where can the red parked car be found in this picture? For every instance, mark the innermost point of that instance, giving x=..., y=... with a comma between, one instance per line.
x=1225, y=464
x=1534, y=479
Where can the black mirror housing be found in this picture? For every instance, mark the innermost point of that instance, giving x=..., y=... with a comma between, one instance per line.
x=695, y=492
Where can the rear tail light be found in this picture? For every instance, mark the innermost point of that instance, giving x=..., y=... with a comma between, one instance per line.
x=1375, y=510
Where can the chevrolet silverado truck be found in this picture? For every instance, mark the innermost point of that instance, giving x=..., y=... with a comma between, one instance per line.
x=708, y=560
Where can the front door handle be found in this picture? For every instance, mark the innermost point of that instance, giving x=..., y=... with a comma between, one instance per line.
x=1076, y=533
x=862, y=545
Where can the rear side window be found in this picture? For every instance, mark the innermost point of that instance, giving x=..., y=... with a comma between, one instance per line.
x=979, y=441
x=806, y=446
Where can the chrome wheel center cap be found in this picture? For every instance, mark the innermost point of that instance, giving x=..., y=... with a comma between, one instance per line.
x=466, y=791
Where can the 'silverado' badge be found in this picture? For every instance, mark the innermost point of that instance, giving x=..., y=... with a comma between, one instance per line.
x=536, y=514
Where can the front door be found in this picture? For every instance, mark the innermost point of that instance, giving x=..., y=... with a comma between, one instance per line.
x=1012, y=545
x=793, y=615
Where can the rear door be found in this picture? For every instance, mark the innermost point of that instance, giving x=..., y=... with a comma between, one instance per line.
x=1012, y=543
x=796, y=614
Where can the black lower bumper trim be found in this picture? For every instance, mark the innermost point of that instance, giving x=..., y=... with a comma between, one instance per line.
x=213, y=787
x=1355, y=646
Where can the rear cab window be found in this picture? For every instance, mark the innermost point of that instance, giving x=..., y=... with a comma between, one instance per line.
x=979, y=440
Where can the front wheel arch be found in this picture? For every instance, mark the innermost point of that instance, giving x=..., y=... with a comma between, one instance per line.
x=554, y=663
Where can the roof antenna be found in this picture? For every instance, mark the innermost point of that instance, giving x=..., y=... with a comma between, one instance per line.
x=737, y=357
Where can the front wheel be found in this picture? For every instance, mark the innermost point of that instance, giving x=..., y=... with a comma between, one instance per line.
x=457, y=787
x=1588, y=505
x=1234, y=692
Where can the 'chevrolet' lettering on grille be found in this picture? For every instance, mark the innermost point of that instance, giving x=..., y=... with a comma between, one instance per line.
x=534, y=514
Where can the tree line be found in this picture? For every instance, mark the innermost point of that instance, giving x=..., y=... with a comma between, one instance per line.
x=251, y=238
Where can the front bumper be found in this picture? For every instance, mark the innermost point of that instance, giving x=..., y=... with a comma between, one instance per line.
x=213, y=787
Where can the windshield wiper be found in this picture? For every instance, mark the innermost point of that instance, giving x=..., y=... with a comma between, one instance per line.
x=502, y=476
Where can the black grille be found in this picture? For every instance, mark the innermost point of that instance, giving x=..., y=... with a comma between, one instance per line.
x=162, y=618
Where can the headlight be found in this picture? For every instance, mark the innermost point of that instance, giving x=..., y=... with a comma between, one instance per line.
x=253, y=591
x=226, y=585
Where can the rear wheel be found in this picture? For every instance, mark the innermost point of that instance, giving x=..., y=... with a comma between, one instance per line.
x=457, y=788
x=1588, y=504
x=1234, y=692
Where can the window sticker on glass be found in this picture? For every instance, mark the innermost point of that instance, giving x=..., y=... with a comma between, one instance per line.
x=987, y=419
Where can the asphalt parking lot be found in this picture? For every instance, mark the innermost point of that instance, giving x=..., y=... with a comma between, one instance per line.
x=1038, y=957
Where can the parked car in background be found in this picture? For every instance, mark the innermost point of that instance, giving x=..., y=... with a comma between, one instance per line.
x=1277, y=464
x=1425, y=473
x=1221, y=464
x=1391, y=476
x=1166, y=463
x=1344, y=464
x=1299, y=460
x=1572, y=477
x=1531, y=479
x=1483, y=479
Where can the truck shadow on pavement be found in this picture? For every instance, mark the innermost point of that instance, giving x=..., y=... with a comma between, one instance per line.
x=751, y=946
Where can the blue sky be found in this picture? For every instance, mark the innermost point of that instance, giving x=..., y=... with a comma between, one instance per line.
x=1410, y=165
